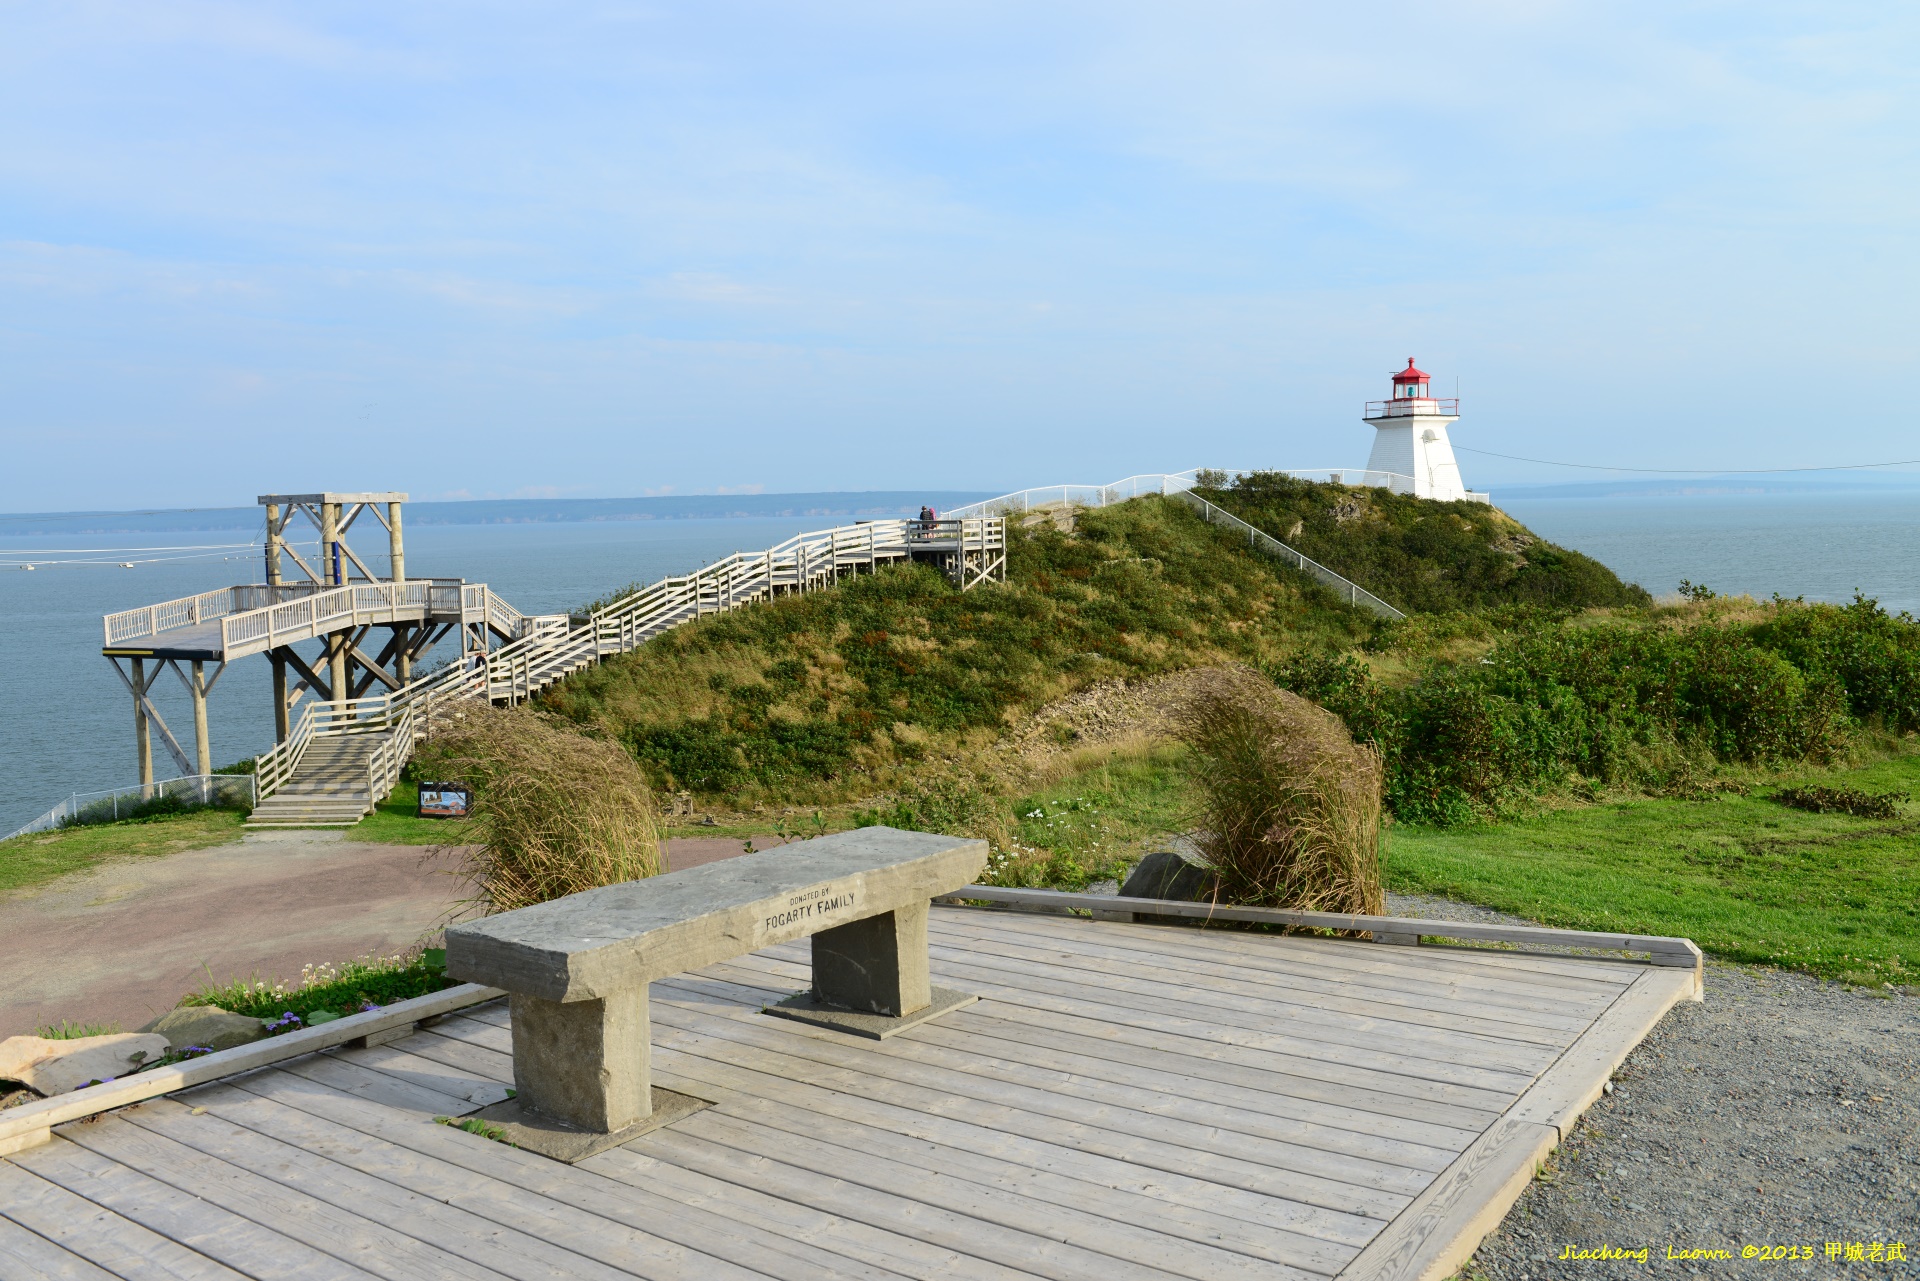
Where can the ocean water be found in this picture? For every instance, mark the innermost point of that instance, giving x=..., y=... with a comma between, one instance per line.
x=1823, y=545
x=66, y=721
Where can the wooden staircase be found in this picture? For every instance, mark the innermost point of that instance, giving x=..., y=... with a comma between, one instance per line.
x=330, y=787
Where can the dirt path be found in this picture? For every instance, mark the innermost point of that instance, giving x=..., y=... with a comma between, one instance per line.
x=122, y=942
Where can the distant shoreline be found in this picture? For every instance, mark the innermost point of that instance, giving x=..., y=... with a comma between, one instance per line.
x=850, y=505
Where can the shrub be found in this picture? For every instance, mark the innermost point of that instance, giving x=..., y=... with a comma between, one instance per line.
x=1841, y=800
x=1289, y=804
x=558, y=812
x=1423, y=555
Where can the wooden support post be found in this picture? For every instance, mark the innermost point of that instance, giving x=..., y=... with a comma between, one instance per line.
x=281, y=728
x=330, y=569
x=202, y=748
x=142, y=739
x=403, y=652
x=338, y=683
x=273, y=546
x=396, y=554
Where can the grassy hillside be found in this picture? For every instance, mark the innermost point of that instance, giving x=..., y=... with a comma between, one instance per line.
x=1420, y=555
x=820, y=696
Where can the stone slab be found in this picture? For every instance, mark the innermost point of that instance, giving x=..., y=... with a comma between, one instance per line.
x=807, y=1008
x=207, y=1026
x=563, y=1142
x=57, y=1066
x=587, y=946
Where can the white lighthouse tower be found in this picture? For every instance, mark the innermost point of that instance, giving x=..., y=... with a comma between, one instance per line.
x=1410, y=440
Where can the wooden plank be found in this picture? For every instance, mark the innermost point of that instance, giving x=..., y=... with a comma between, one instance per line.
x=1178, y=1178
x=934, y=1224
x=30, y=1125
x=349, y=1076
x=1393, y=1093
x=1537, y=1028
x=1267, y=1093
x=204, y=1229
x=1129, y=1249
x=1561, y=1009
x=1117, y=996
x=1549, y=968
x=26, y=1256
x=1302, y=1122
x=224, y=1166
x=1677, y=952
x=477, y=1218
x=1333, y=1046
x=76, y=1226
x=463, y=1091
x=1307, y=1175
x=1354, y=1158
x=300, y=1109
x=1452, y=974
x=446, y=1045
x=1577, y=1077
x=743, y=1203
x=1207, y=1226
x=1440, y=1230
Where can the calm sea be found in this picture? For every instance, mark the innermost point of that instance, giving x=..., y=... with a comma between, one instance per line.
x=66, y=720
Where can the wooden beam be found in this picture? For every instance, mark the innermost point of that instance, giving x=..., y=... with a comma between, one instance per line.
x=31, y=1124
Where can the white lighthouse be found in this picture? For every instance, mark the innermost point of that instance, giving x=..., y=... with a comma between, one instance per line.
x=1410, y=440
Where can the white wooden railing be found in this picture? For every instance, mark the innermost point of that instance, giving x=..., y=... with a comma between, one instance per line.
x=547, y=647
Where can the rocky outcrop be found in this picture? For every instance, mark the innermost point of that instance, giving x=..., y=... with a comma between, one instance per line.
x=207, y=1027
x=1177, y=872
x=51, y=1067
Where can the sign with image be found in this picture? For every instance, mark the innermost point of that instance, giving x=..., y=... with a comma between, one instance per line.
x=445, y=800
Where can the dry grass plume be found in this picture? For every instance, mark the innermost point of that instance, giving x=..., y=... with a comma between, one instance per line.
x=1289, y=804
x=558, y=812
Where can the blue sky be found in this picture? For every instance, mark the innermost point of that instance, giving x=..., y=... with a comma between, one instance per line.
x=594, y=250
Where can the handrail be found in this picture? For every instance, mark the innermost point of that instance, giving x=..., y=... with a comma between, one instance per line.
x=1263, y=541
x=545, y=648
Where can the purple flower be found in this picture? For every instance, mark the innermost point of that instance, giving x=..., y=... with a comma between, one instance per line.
x=287, y=1020
x=194, y=1051
x=367, y=1007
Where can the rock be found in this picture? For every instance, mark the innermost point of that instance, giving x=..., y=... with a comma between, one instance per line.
x=207, y=1026
x=54, y=1067
x=1177, y=873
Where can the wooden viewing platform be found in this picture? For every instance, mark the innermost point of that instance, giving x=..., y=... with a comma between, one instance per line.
x=1124, y=1101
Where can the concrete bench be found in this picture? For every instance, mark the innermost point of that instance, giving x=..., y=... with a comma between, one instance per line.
x=577, y=969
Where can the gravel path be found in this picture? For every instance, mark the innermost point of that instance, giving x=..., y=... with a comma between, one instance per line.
x=1782, y=1111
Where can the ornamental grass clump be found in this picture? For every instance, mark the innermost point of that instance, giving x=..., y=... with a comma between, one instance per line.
x=557, y=812
x=1289, y=812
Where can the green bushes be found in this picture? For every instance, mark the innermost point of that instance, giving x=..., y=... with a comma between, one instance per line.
x=1421, y=555
x=1620, y=703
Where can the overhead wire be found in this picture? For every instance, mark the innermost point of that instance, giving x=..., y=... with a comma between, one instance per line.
x=1691, y=471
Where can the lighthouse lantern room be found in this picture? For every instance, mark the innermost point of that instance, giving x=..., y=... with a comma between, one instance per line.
x=1410, y=439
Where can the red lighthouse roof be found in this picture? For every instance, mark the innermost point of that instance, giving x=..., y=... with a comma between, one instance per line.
x=1409, y=375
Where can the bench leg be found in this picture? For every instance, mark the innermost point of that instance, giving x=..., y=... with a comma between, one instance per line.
x=875, y=966
x=586, y=1063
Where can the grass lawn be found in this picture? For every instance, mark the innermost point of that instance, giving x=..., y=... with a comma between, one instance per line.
x=394, y=822
x=1745, y=878
x=1096, y=821
x=33, y=860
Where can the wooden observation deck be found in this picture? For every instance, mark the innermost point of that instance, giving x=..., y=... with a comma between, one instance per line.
x=1124, y=1103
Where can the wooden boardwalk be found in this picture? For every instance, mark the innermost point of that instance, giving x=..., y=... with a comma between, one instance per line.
x=1126, y=1101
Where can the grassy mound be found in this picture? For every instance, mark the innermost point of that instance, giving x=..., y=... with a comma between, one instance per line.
x=1420, y=555
x=823, y=696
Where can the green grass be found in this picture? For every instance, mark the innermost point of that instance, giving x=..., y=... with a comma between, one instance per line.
x=1096, y=822
x=394, y=822
x=336, y=988
x=65, y=1031
x=1745, y=878
x=27, y=861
